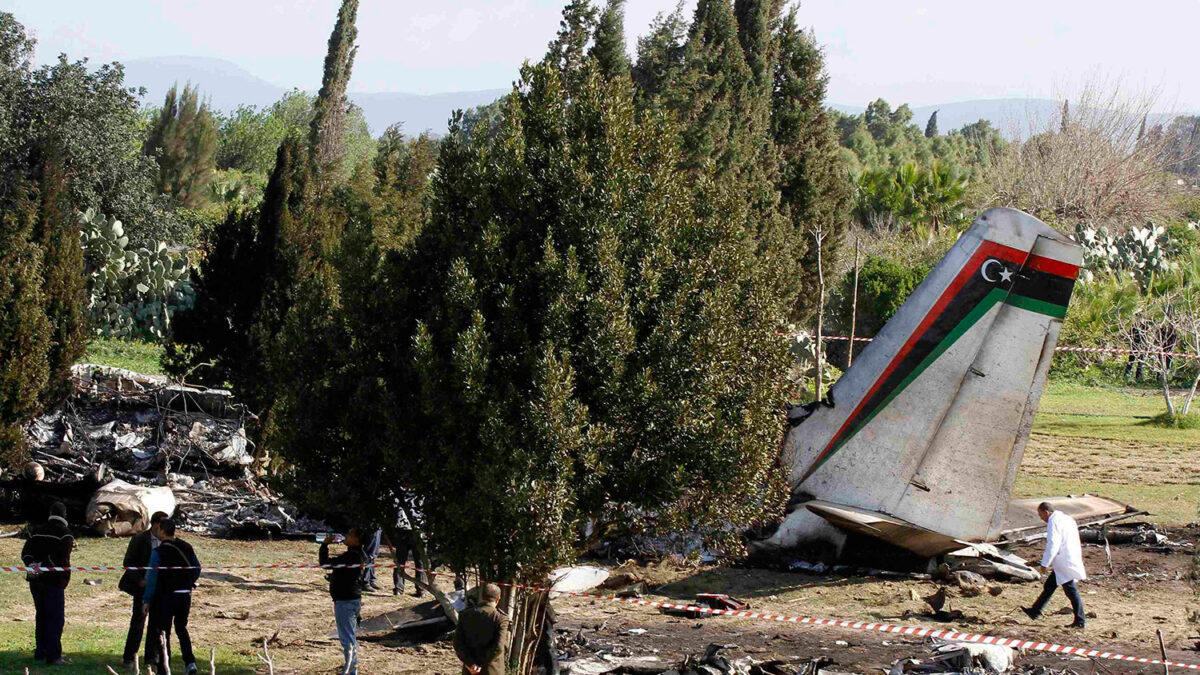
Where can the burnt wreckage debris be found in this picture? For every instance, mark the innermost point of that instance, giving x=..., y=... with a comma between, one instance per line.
x=142, y=430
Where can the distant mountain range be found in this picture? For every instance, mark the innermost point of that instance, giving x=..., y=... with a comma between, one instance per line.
x=227, y=86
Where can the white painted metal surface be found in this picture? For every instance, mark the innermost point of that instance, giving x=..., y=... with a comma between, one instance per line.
x=929, y=424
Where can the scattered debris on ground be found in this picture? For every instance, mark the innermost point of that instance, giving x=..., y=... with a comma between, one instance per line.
x=137, y=437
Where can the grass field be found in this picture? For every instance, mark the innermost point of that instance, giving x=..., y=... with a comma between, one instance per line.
x=1100, y=440
x=98, y=615
x=141, y=357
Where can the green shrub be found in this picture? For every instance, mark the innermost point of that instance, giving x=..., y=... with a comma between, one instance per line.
x=1169, y=421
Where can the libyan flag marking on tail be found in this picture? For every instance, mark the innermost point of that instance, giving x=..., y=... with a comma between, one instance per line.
x=993, y=297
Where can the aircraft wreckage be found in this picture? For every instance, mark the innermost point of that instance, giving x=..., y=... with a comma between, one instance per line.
x=918, y=444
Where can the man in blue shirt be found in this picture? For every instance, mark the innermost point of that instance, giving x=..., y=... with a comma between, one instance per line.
x=168, y=598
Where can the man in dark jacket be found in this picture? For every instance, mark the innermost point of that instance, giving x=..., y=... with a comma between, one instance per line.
x=346, y=591
x=168, y=598
x=49, y=545
x=137, y=554
x=482, y=636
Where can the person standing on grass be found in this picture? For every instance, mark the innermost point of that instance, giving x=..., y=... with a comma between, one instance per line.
x=346, y=590
x=1063, y=560
x=168, y=598
x=404, y=544
x=371, y=551
x=133, y=582
x=482, y=635
x=49, y=545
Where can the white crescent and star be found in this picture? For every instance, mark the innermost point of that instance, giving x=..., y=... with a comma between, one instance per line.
x=1005, y=273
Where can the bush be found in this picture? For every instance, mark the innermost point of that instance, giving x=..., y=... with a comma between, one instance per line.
x=1169, y=421
x=884, y=283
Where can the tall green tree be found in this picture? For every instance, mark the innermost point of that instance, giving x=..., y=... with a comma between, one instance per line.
x=606, y=319
x=716, y=93
x=326, y=141
x=233, y=331
x=608, y=47
x=24, y=328
x=248, y=138
x=931, y=128
x=56, y=232
x=183, y=140
x=402, y=171
x=660, y=58
x=569, y=49
x=815, y=189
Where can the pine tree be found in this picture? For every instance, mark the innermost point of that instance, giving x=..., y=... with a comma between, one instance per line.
x=608, y=48
x=24, y=328
x=183, y=139
x=931, y=128
x=326, y=140
x=814, y=187
x=57, y=233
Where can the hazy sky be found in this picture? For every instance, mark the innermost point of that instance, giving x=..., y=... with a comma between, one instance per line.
x=919, y=52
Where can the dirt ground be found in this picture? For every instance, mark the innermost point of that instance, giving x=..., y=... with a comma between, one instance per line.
x=291, y=610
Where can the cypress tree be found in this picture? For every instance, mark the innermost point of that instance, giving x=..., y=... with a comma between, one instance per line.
x=608, y=48
x=813, y=186
x=57, y=233
x=569, y=49
x=716, y=94
x=660, y=58
x=756, y=19
x=326, y=139
x=931, y=129
x=183, y=139
x=24, y=328
x=603, y=316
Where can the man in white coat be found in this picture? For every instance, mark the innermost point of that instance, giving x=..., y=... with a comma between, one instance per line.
x=1064, y=561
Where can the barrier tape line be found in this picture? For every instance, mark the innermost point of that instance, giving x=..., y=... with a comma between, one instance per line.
x=1085, y=350
x=915, y=631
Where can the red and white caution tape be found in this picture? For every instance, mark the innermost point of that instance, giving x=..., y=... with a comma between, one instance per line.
x=916, y=631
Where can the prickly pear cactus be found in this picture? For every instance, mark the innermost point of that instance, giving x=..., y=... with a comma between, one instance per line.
x=1140, y=253
x=131, y=293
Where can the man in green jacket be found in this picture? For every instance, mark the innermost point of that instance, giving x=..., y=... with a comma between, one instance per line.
x=482, y=636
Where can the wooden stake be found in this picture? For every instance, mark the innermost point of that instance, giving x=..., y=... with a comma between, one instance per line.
x=853, y=309
x=1162, y=648
x=819, y=237
x=212, y=661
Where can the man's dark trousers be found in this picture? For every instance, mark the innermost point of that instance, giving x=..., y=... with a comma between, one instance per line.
x=137, y=622
x=172, y=610
x=1072, y=594
x=404, y=545
x=371, y=549
x=49, y=602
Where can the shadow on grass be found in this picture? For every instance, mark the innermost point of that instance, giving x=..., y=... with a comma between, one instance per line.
x=16, y=661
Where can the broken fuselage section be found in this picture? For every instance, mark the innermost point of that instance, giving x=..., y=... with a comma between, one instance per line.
x=918, y=444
